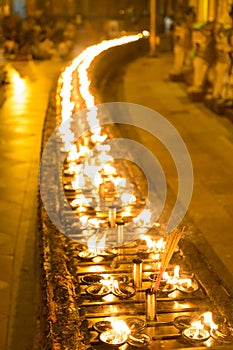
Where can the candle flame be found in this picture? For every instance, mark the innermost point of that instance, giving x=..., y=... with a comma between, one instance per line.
x=106, y=282
x=156, y=246
x=115, y=284
x=176, y=273
x=150, y=244
x=108, y=169
x=95, y=244
x=91, y=171
x=120, y=327
x=78, y=181
x=207, y=319
x=119, y=181
x=84, y=219
x=128, y=198
x=91, y=243
x=104, y=157
x=83, y=151
x=72, y=154
x=65, y=88
x=143, y=218
x=96, y=138
x=166, y=276
x=103, y=148
x=102, y=242
x=197, y=324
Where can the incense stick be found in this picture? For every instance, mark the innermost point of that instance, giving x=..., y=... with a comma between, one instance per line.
x=170, y=247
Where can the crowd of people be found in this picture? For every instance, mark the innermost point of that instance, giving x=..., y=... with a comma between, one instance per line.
x=38, y=38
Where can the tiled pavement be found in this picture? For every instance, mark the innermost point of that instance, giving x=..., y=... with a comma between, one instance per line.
x=21, y=121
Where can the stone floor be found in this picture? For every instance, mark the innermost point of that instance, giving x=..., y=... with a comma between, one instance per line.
x=22, y=117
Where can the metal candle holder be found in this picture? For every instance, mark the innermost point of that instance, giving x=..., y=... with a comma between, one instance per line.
x=112, y=216
x=137, y=273
x=151, y=305
x=120, y=234
x=222, y=334
x=195, y=335
x=113, y=338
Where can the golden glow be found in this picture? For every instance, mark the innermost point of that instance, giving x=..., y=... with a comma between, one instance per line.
x=128, y=198
x=177, y=272
x=120, y=327
x=101, y=244
x=91, y=243
x=202, y=13
x=107, y=169
x=82, y=63
x=207, y=319
x=18, y=84
x=104, y=157
x=145, y=33
x=143, y=218
x=95, y=244
x=126, y=212
x=197, y=324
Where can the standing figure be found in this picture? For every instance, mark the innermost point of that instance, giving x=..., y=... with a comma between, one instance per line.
x=205, y=56
x=182, y=46
x=223, y=63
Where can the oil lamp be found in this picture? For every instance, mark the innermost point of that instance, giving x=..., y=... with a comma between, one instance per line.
x=196, y=333
x=168, y=282
x=102, y=326
x=223, y=333
x=139, y=340
x=87, y=255
x=116, y=336
x=135, y=324
x=187, y=285
x=98, y=290
x=90, y=279
x=182, y=322
x=150, y=248
x=200, y=330
x=123, y=291
x=96, y=247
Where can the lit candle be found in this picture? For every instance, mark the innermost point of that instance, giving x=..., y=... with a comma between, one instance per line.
x=196, y=333
x=137, y=273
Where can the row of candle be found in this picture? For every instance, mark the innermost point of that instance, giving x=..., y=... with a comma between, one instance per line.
x=117, y=332
x=106, y=186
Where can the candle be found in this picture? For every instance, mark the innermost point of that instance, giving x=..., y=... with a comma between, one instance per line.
x=102, y=190
x=120, y=233
x=112, y=216
x=151, y=305
x=137, y=273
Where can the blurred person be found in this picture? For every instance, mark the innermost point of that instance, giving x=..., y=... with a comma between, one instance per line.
x=10, y=47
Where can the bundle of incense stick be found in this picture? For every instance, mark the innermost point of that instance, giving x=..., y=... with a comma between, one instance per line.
x=171, y=244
